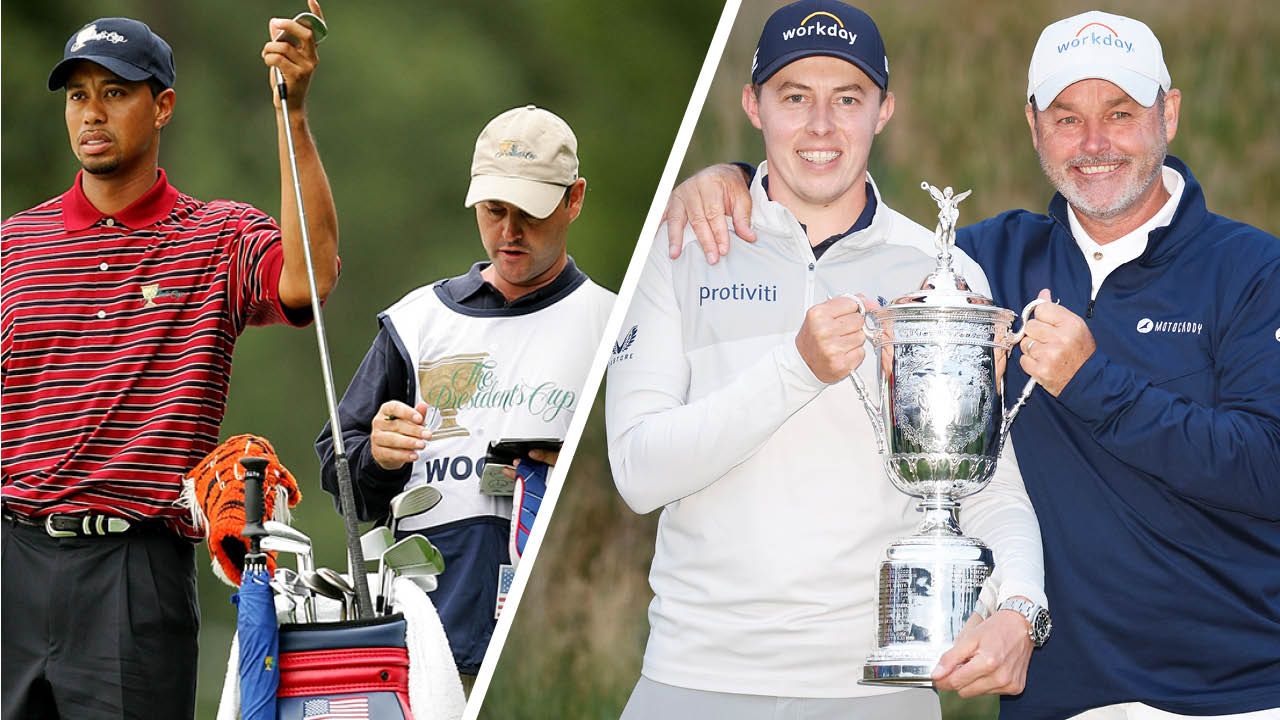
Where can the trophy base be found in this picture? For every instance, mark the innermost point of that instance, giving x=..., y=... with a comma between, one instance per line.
x=445, y=432
x=928, y=588
x=898, y=674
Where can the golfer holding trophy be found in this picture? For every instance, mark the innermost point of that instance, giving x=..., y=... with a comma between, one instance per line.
x=941, y=425
x=727, y=409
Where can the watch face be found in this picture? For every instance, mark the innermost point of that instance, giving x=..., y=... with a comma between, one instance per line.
x=1042, y=626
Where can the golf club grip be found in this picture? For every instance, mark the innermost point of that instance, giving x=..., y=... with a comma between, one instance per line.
x=254, y=474
x=346, y=495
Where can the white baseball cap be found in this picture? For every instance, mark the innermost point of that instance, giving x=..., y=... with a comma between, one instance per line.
x=1097, y=45
x=526, y=156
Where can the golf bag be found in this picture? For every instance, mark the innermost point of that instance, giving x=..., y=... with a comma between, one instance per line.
x=353, y=669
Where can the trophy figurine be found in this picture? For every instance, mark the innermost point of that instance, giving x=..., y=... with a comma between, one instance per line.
x=447, y=384
x=940, y=426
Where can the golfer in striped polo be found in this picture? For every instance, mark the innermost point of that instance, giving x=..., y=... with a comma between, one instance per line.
x=122, y=300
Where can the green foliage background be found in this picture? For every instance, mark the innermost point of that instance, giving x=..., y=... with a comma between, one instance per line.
x=401, y=93
x=959, y=73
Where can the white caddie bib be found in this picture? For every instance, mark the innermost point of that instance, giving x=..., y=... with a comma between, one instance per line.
x=495, y=374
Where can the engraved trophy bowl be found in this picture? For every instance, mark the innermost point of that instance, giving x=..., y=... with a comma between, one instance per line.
x=446, y=385
x=940, y=424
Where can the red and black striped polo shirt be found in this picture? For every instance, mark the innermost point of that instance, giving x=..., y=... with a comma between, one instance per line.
x=116, y=336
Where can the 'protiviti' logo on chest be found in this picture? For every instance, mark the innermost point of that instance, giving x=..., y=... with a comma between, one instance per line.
x=737, y=292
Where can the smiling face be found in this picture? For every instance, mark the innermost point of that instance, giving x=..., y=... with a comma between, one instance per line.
x=113, y=124
x=1103, y=150
x=526, y=252
x=818, y=116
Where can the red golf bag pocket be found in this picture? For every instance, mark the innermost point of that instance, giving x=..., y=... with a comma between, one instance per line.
x=357, y=669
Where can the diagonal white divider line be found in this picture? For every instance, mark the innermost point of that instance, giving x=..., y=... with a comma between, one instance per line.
x=592, y=386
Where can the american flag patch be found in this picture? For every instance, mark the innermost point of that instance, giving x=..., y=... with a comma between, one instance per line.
x=506, y=575
x=352, y=708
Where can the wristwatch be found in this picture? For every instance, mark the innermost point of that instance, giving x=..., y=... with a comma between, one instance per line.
x=1037, y=615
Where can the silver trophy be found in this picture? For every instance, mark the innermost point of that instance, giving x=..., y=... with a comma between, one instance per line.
x=940, y=426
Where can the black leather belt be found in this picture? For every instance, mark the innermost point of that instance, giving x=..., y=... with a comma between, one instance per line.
x=84, y=525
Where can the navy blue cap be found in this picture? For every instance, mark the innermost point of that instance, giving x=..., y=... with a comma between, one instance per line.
x=126, y=47
x=820, y=27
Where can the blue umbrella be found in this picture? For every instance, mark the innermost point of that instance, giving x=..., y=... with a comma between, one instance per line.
x=255, y=608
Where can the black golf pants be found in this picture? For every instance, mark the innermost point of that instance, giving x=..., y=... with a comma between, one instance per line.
x=97, y=628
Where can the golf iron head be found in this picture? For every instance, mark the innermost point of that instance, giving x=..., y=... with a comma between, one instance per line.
x=413, y=501
x=412, y=556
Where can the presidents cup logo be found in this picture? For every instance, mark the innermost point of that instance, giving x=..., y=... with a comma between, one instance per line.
x=152, y=292
x=1096, y=34
x=1147, y=325
x=819, y=28
x=446, y=384
x=513, y=149
x=90, y=33
x=458, y=382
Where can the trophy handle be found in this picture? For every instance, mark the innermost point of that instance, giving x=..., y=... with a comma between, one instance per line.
x=873, y=410
x=1012, y=412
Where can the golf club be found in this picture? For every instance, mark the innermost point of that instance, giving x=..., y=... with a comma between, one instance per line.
x=292, y=583
x=376, y=541
x=295, y=543
x=346, y=494
x=414, y=555
x=414, y=501
x=373, y=544
x=335, y=579
x=286, y=603
x=322, y=586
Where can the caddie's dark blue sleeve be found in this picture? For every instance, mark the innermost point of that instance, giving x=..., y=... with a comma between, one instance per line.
x=1226, y=454
x=385, y=374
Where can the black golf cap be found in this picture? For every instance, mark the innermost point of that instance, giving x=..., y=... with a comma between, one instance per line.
x=820, y=27
x=126, y=47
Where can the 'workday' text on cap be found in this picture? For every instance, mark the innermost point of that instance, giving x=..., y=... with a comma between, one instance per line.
x=126, y=47
x=820, y=27
x=526, y=156
x=1097, y=45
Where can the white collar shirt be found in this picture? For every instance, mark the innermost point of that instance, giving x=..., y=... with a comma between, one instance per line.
x=1104, y=259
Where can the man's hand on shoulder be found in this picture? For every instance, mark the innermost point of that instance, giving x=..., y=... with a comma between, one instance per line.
x=397, y=433
x=832, y=341
x=701, y=202
x=989, y=657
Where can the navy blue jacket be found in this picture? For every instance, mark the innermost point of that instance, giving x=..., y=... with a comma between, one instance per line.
x=1156, y=473
x=472, y=548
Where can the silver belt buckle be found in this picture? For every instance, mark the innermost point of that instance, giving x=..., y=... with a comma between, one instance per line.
x=53, y=532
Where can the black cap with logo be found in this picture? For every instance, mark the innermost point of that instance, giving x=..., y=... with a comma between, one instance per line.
x=820, y=27
x=126, y=47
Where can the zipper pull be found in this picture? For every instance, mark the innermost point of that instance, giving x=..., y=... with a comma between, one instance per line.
x=1089, y=313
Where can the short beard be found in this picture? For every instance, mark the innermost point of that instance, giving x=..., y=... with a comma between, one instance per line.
x=105, y=168
x=1148, y=166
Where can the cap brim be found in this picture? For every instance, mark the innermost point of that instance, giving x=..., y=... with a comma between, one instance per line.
x=127, y=71
x=1138, y=86
x=782, y=61
x=539, y=199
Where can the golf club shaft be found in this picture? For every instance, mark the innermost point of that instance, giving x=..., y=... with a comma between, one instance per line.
x=346, y=494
